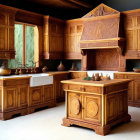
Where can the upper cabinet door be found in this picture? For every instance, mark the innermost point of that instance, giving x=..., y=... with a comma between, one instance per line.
x=72, y=36
x=7, y=21
x=53, y=38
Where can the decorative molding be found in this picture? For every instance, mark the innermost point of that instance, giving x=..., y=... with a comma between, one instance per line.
x=101, y=10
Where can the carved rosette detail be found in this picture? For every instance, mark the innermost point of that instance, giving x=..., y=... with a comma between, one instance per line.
x=92, y=109
x=75, y=106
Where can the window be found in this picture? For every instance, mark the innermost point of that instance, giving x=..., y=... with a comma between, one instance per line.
x=26, y=46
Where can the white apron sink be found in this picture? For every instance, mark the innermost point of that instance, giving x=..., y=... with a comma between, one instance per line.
x=40, y=79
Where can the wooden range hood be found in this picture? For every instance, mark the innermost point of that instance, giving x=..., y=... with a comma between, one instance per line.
x=102, y=29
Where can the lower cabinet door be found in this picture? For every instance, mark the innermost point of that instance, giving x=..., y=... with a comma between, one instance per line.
x=111, y=108
x=131, y=91
x=137, y=92
x=23, y=93
x=48, y=93
x=92, y=108
x=36, y=95
x=74, y=105
x=10, y=98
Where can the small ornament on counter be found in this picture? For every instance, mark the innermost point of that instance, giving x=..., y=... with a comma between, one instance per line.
x=16, y=72
x=87, y=78
x=44, y=69
x=60, y=67
x=97, y=77
x=93, y=77
x=73, y=67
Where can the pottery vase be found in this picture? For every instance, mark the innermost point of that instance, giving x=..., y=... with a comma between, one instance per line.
x=44, y=69
x=61, y=67
x=73, y=67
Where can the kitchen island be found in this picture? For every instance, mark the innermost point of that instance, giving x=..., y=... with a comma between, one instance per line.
x=98, y=105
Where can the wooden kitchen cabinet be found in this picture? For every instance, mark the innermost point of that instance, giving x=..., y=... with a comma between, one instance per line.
x=134, y=87
x=132, y=31
x=58, y=91
x=97, y=105
x=13, y=96
x=7, y=21
x=16, y=97
x=72, y=35
x=41, y=96
x=53, y=38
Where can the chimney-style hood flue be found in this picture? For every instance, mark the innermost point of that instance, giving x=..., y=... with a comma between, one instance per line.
x=102, y=29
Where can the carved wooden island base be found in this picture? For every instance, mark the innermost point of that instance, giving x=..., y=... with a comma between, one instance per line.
x=97, y=105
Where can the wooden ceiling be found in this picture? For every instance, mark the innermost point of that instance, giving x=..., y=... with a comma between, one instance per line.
x=64, y=9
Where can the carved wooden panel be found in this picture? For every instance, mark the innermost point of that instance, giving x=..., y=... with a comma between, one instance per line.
x=111, y=108
x=92, y=108
x=138, y=38
x=122, y=103
x=132, y=31
x=133, y=88
x=11, y=39
x=3, y=35
x=101, y=10
x=48, y=93
x=53, y=38
x=58, y=91
x=137, y=91
x=100, y=29
x=102, y=59
x=10, y=98
x=74, y=105
x=16, y=82
x=72, y=36
x=23, y=94
x=7, y=20
x=129, y=40
x=36, y=95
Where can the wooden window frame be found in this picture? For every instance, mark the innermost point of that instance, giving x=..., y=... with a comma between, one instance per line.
x=24, y=41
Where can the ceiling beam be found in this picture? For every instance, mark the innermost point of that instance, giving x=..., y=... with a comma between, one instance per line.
x=80, y=3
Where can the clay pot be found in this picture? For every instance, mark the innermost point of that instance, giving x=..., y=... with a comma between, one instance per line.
x=60, y=67
x=4, y=70
x=73, y=67
x=44, y=69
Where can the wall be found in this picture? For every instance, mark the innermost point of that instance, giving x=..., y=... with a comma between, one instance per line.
x=123, y=5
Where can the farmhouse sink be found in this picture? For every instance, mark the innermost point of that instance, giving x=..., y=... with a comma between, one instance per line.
x=36, y=79
x=40, y=79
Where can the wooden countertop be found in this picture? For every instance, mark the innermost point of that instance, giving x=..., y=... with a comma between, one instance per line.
x=96, y=83
x=58, y=72
x=127, y=72
x=13, y=77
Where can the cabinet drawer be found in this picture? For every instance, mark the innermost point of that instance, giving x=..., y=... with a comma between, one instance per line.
x=84, y=88
x=75, y=87
x=92, y=89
